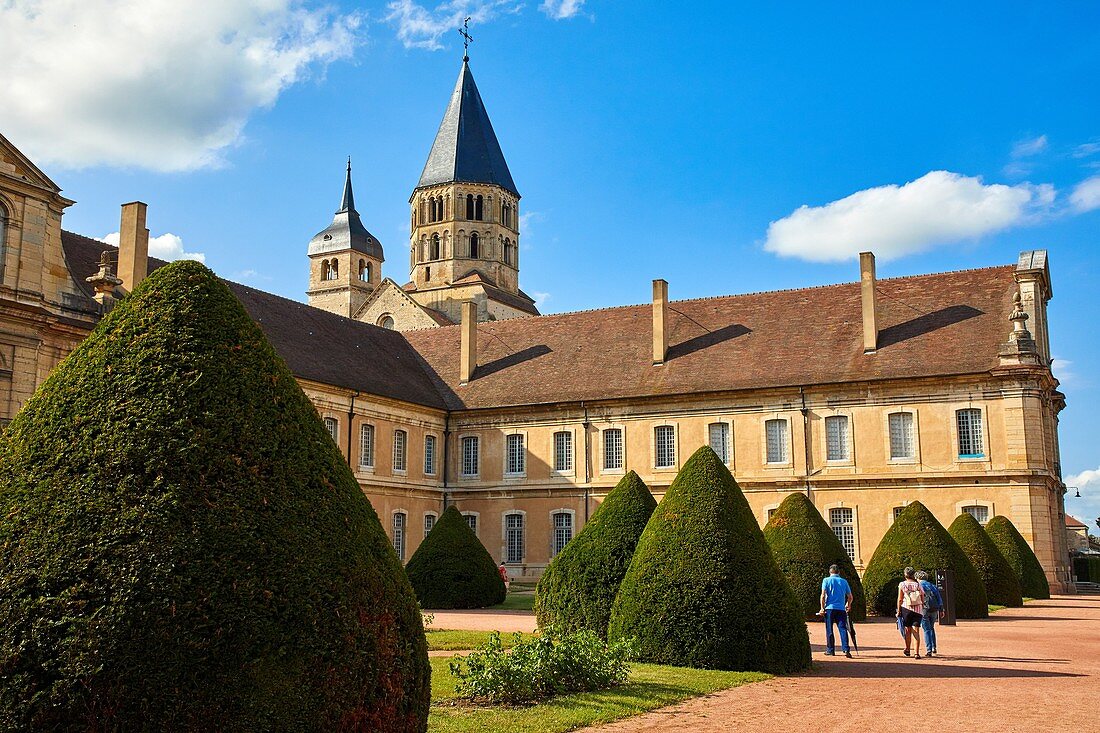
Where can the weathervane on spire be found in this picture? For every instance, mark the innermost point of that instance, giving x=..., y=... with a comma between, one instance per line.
x=464, y=31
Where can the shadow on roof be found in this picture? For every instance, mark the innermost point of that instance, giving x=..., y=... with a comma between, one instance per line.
x=531, y=352
x=927, y=323
x=710, y=338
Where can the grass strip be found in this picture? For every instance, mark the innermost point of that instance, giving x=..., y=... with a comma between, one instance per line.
x=452, y=640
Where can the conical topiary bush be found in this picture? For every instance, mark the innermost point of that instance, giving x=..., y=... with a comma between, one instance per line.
x=1001, y=585
x=578, y=588
x=918, y=540
x=452, y=569
x=182, y=546
x=804, y=547
x=1020, y=557
x=702, y=589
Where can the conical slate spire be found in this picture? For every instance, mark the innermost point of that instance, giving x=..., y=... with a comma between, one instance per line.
x=346, y=230
x=466, y=148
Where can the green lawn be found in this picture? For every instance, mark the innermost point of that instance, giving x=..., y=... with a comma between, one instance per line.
x=649, y=687
x=447, y=640
x=521, y=597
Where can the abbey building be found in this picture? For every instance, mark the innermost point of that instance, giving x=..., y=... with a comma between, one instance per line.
x=452, y=389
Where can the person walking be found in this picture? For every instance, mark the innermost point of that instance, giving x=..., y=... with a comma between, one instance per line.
x=836, y=603
x=933, y=611
x=910, y=609
x=504, y=576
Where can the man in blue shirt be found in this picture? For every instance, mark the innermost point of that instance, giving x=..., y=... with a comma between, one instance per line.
x=836, y=602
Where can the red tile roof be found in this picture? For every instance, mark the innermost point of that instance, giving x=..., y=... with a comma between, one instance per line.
x=1075, y=523
x=930, y=325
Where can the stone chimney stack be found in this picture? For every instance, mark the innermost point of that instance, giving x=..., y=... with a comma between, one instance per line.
x=870, y=305
x=660, y=321
x=469, y=342
x=133, y=245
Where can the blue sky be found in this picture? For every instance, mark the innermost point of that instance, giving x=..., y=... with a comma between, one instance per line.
x=648, y=140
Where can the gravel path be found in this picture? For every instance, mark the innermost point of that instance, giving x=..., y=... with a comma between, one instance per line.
x=484, y=620
x=1026, y=669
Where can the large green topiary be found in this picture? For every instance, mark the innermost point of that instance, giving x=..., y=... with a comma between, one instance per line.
x=804, y=547
x=1001, y=585
x=918, y=540
x=1020, y=557
x=182, y=546
x=452, y=569
x=578, y=588
x=702, y=589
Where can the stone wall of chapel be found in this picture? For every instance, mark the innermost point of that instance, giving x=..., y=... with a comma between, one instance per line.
x=392, y=302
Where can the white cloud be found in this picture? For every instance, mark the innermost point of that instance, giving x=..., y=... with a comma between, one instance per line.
x=1086, y=195
x=160, y=84
x=1063, y=370
x=419, y=27
x=540, y=298
x=167, y=246
x=1087, y=507
x=1027, y=148
x=893, y=221
x=527, y=228
x=1086, y=150
x=561, y=9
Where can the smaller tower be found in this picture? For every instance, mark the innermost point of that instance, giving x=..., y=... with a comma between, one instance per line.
x=345, y=260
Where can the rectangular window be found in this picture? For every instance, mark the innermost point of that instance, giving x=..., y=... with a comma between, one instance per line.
x=901, y=435
x=970, y=433
x=471, y=522
x=897, y=512
x=836, y=438
x=843, y=523
x=513, y=538
x=515, y=454
x=771, y=512
x=776, y=433
x=613, y=449
x=981, y=513
x=470, y=448
x=366, y=446
x=563, y=451
x=664, y=444
x=719, y=434
x=400, y=438
x=563, y=530
x=429, y=523
x=429, y=455
x=333, y=428
x=399, y=534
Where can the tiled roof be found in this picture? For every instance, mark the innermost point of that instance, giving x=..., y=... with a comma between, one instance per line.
x=930, y=325
x=1075, y=523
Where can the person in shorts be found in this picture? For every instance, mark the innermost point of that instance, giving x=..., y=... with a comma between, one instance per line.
x=910, y=609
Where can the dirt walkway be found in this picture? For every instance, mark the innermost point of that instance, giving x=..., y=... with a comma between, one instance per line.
x=1027, y=669
x=484, y=620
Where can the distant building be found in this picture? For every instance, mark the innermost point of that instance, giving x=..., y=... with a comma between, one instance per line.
x=1077, y=535
x=864, y=395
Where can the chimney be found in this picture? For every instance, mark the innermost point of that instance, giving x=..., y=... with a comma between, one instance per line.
x=469, y=342
x=133, y=245
x=870, y=306
x=660, y=321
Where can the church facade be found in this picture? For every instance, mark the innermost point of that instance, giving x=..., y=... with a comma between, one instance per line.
x=452, y=389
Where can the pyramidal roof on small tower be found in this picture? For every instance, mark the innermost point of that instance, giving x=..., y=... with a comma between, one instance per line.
x=346, y=230
x=466, y=148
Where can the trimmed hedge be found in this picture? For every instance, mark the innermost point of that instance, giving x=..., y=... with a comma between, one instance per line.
x=1002, y=588
x=579, y=586
x=1021, y=558
x=703, y=589
x=1086, y=569
x=183, y=547
x=804, y=547
x=918, y=540
x=452, y=569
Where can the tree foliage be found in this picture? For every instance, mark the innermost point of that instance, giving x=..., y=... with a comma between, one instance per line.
x=1020, y=557
x=579, y=586
x=452, y=569
x=1002, y=587
x=183, y=547
x=703, y=589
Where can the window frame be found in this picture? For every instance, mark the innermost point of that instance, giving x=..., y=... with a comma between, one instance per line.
x=828, y=513
x=846, y=438
x=985, y=504
x=572, y=514
x=888, y=440
x=476, y=516
x=424, y=524
x=431, y=468
x=728, y=438
x=571, y=446
x=506, y=538
x=508, y=437
x=462, y=442
x=402, y=550
x=365, y=428
x=983, y=429
x=787, y=446
x=334, y=430
x=621, y=429
x=655, y=446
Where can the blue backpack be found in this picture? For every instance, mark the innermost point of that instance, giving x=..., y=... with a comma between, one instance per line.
x=932, y=599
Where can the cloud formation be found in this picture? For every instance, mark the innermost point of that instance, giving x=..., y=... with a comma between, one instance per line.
x=1028, y=148
x=167, y=246
x=419, y=27
x=893, y=221
x=1086, y=195
x=561, y=9
x=161, y=85
x=1087, y=507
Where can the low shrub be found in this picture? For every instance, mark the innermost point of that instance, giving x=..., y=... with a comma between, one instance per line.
x=536, y=669
x=1020, y=556
x=1086, y=569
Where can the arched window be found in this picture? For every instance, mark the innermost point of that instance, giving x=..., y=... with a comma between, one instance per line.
x=433, y=250
x=470, y=206
x=475, y=245
x=507, y=251
x=364, y=271
x=3, y=234
x=386, y=321
x=479, y=208
x=335, y=269
x=326, y=270
x=427, y=274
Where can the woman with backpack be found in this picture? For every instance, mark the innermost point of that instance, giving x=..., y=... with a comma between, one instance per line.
x=910, y=608
x=933, y=610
